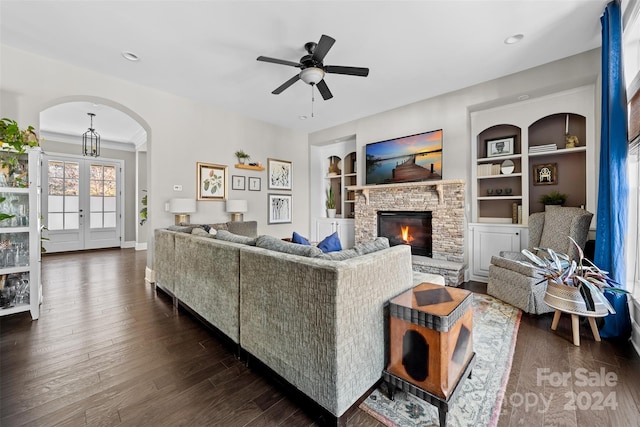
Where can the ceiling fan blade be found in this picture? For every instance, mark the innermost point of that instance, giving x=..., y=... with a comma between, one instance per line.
x=322, y=48
x=278, y=61
x=286, y=84
x=351, y=71
x=324, y=90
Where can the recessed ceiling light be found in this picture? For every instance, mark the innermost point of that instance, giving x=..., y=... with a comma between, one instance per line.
x=130, y=56
x=514, y=39
x=303, y=117
x=523, y=97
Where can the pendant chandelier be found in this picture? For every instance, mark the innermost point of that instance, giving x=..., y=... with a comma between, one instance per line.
x=91, y=141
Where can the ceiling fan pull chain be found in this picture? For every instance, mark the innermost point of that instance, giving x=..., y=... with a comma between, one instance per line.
x=312, y=100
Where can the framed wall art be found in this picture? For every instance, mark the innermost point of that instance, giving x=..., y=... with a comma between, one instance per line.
x=238, y=182
x=280, y=174
x=212, y=181
x=254, y=183
x=500, y=147
x=545, y=174
x=280, y=206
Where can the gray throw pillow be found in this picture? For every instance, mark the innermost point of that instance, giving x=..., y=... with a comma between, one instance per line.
x=181, y=228
x=339, y=255
x=197, y=231
x=279, y=245
x=230, y=237
x=377, y=244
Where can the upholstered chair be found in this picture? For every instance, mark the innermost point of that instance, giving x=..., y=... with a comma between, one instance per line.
x=520, y=285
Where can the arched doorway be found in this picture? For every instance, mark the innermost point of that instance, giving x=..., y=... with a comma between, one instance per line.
x=92, y=202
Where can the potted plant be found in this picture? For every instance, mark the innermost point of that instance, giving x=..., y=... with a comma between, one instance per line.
x=14, y=142
x=574, y=287
x=331, y=203
x=143, y=211
x=242, y=156
x=553, y=198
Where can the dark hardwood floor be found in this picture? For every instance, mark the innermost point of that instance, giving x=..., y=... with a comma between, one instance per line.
x=108, y=350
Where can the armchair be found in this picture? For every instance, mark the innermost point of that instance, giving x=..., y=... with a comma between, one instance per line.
x=519, y=285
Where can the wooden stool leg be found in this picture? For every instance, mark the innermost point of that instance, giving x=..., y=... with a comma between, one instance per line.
x=594, y=328
x=575, y=327
x=556, y=319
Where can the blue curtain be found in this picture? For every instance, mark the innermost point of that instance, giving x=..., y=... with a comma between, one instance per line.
x=613, y=185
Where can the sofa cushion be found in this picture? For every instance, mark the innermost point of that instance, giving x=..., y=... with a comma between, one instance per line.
x=296, y=238
x=377, y=244
x=278, y=245
x=339, y=255
x=181, y=228
x=331, y=243
x=230, y=237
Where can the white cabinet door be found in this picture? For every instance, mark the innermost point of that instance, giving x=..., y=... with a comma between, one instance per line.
x=489, y=240
x=344, y=227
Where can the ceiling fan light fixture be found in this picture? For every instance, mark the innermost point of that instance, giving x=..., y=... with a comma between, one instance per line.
x=312, y=75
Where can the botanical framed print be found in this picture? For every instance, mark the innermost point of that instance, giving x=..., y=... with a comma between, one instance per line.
x=545, y=174
x=279, y=208
x=500, y=147
x=280, y=174
x=238, y=182
x=254, y=183
x=212, y=181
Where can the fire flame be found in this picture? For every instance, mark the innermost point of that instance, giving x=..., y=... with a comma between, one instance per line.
x=405, y=234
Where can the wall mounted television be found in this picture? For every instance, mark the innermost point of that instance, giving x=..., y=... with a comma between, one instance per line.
x=407, y=159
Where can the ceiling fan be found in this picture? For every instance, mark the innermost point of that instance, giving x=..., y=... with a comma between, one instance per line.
x=312, y=68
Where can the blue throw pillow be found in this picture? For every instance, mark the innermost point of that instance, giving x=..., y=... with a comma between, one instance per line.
x=296, y=238
x=330, y=243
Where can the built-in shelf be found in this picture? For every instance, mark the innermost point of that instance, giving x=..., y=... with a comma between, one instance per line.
x=500, y=198
x=499, y=158
x=249, y=167
x=437, y=184
x=500, y=176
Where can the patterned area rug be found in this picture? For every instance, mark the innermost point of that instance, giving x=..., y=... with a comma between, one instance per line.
x=495, y=326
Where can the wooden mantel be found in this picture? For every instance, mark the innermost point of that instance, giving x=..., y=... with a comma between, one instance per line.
x=436, y=184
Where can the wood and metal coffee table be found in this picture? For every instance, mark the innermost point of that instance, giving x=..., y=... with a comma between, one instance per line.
x=430, y=344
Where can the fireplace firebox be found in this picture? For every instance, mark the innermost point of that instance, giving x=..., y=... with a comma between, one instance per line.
x=407, y=227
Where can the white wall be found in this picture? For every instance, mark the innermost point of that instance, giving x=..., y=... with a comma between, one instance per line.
x=180, y=133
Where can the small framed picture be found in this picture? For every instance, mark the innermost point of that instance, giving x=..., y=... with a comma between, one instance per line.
x=280, y=174
x=238, y=182
x=545, y=174
x=212, y=181
x=254, y=183
x=279, y=208
x=500, y=147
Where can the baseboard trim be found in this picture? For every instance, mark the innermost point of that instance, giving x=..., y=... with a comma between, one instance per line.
x=128, y=244
x=149, y=275
x=141, y=246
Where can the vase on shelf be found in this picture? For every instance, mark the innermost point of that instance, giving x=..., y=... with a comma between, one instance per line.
x=331, y=213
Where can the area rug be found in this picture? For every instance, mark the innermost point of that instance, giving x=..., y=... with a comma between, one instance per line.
x=495, y=326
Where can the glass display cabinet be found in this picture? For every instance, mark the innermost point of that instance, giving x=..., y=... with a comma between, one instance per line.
x=20, y=287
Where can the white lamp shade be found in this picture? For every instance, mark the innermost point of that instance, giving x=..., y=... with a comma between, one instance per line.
x=182, y=206
x=236, y=206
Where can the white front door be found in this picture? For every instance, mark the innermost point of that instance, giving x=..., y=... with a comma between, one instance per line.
x=81, y=203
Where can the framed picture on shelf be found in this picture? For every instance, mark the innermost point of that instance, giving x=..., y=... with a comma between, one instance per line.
x=280, y=174
x=212, y=181
x=279, y=208
x=254, y=183
x=545, y=174
x=238, y=182
x=500, y=147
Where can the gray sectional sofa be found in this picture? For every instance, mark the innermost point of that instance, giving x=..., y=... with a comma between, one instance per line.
x=318, y=323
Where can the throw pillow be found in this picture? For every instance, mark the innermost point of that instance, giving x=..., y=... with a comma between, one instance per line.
x=197, y=231
x=181, y=228
x=339, y=255
x=278, y=245
x=230, y=237
x=296, y=238
x=377, y=244
x=330, y=243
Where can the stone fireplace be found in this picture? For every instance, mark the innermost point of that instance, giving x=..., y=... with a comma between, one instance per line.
x=444, y=199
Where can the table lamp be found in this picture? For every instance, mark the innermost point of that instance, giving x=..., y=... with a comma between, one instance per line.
x=236, y=208
x=182, y=208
